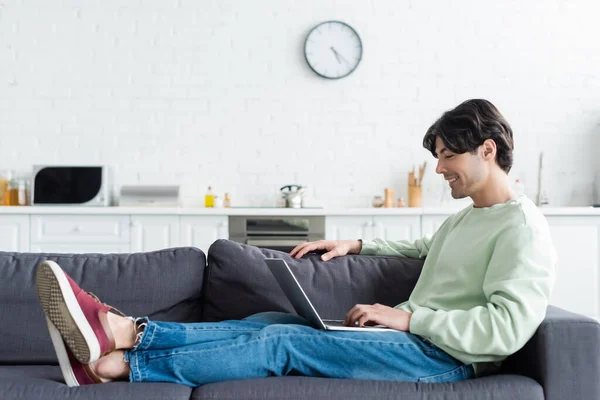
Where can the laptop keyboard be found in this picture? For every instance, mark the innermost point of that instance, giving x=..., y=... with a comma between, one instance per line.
x=334, y=322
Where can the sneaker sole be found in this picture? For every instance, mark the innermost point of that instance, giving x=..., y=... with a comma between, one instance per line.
x=62, y=355
x=63, y=310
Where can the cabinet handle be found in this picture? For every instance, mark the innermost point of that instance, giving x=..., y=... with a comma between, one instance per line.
x=75, y=229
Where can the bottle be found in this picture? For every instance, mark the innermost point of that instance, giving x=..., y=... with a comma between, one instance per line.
x=22, y=193
x=13, y=193
x=519, y=188
x=227, y=201
x=209, y=198
x=5, y=180
x=3, y=188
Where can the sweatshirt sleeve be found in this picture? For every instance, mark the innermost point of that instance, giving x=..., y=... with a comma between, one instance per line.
x=403, y=248
x=517, y=285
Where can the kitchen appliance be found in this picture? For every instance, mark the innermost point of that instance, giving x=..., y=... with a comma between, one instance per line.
x=293, y=196
x=71, y=185
x=276, y=232
x=149, y=195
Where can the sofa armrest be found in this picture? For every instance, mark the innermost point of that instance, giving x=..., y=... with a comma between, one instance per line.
x=563, y=356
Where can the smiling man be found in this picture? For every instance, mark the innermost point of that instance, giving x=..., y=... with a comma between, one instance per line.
x=483, y=292
x=489, y=269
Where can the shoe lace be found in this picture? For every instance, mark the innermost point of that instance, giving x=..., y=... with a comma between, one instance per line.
x=110, y=308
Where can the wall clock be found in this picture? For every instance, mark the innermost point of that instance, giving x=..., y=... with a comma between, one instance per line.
x=333, y=49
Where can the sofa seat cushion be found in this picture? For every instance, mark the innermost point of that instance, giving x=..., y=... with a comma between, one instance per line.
x=238, y=282
x=499, y=387
x=45, y=382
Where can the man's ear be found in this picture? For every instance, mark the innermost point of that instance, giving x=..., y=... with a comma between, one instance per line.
x=489, y=149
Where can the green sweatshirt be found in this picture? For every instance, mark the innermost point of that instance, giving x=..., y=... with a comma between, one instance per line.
x=486, y=281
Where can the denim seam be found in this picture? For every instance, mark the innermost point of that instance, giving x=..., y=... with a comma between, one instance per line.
x=137, y=373
x=457, y=371
x=134, y=368
x=259, y=339
x=144, y=344
x=221, y=329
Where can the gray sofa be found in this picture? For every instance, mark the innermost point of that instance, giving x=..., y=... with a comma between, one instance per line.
x=560, y=362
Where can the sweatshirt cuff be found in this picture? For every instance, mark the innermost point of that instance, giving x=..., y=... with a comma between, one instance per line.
x=369, y=248
x=418, y=324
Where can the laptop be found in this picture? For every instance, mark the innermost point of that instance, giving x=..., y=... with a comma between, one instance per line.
x=301, y=303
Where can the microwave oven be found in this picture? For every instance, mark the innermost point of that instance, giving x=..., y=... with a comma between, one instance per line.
x=70, y=185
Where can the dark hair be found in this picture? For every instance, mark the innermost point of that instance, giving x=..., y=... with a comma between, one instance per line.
x=467, y=126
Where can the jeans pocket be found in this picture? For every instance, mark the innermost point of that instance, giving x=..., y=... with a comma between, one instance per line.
x=457, y=374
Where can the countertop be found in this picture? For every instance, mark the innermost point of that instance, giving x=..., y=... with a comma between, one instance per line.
x=339, y=211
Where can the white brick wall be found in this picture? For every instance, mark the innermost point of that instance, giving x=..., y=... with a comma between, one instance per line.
x=218, y=92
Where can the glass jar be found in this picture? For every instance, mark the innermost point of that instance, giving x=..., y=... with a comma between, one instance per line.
x=377, y=201
x=11, y=197
x=4, y=178
x=22, y=193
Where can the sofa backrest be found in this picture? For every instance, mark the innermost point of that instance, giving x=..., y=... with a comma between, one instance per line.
x=163, y=285
x=238, y=282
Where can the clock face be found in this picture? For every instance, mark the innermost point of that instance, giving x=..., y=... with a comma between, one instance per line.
x=333, y=49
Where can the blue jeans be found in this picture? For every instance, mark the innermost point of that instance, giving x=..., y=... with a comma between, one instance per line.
x=276, y=344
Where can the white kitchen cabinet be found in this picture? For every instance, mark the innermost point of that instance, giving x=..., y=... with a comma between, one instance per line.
x=78, y=248
x=577, y=242
x=368, y=227
x=202, y=231
x=69, y=228
x=154, y=232
x=397, y=227
x=431, y=223
x=68, y=233
x=14, y=233
x=349, y=227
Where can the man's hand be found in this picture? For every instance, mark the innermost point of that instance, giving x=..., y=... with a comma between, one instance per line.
x=335, y=248
x=378, y=314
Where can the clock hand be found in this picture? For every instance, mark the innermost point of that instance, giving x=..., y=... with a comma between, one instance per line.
x=336, y=54
x=344, y=58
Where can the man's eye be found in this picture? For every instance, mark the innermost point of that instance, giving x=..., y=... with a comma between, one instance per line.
x=450, y=156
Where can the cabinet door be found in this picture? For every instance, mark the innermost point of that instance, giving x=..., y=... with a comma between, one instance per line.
x=576, y=240
x=79, y=248
x=14, y=233
x=349, y=227
x=70, y=228
x=202, y=231
x=150, y=232
x=395, y=227
x=431, y=223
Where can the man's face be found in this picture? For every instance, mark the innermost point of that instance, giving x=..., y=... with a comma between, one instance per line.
x=465, y=173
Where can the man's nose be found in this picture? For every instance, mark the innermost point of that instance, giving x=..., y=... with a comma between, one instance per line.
x=439, y=169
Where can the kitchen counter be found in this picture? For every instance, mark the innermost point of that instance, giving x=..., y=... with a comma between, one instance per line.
x=567, y=211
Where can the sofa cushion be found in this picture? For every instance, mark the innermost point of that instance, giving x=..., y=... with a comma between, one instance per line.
x=238, y=282
x=499, y=387
x=164, y=285
x=45, y=382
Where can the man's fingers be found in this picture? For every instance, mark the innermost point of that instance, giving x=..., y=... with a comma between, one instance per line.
x=348, y=320
x=299, y=247
x=329, y=255
x=308, y=248
x=363, y=319
x=305, y=250
x=355, y=314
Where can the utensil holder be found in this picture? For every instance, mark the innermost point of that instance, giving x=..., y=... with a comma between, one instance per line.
x=415, y=196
